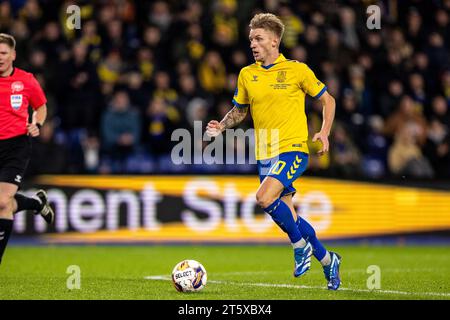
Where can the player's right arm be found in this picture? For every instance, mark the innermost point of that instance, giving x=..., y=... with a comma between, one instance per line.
x=231, y=119
x=235, y=115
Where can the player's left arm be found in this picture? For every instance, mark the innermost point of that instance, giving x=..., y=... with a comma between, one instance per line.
x=329, y=109
x=316, y=89
x=38, y=119
x=38, y=103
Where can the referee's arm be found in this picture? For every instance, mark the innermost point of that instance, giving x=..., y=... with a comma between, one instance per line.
x=38, y=119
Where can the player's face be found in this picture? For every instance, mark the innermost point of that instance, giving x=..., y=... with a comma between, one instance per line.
x=263, y=43
x=7, y=56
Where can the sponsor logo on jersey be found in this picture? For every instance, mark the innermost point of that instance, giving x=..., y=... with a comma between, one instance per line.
x=16, y=86
x=281, y=76
x=16, y=101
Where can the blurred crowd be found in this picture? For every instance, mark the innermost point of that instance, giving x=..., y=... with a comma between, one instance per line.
x=136, y=70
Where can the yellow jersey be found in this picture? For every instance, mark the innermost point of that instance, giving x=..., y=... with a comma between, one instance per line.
x=276, y=97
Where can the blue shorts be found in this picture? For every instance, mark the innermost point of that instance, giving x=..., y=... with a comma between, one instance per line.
x=286, y=167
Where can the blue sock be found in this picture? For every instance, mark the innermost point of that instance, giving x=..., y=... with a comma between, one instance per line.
x=282, y=216
x=310, y=235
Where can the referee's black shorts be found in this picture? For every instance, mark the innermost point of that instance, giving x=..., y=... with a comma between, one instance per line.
x=15, y=154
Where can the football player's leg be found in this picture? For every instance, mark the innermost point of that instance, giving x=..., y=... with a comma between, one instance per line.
x=330, y=261
x=7, y=191
x=308, y=233
x=22, y=202
x=38, y=204
x=296, y=164
x=268, y=197
x=288, y=200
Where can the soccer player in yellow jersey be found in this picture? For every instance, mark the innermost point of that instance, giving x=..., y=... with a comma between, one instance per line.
x=274, y=89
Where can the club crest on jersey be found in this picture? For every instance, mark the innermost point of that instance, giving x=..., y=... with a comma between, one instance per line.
x=16, y=101
x=16, y=86
x=281, y=76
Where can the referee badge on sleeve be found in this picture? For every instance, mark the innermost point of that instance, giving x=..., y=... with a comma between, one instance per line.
x=16, y=101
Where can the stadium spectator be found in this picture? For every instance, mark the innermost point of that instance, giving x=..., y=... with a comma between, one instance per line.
x=299, y=53
x=313, y=45
x=374, y=163
x=160, y=15
x=445, y=85
x=152, y=39
x=91, y=38
x=294, y=26
x=415, y=33
x=345, y=157
x=6, y=17
x=49, y=157
x=440, y=111
x=212, y=73
x=350, y=116
x=225, y=26
x=163, y=89
x=21, y=33
x=391, y=98
x=437, y=147
x=109, y=71
x=437, y=51
x=407, y=114
x=417, y=91
x=422, y=67
x=91, y=153
x=78, y=91
x=405, y=157
x=137, y=91
x=160, y=120
x=348, y=27
x=52, y=42
x=145, y=63
x=337, y=53
x=120, y=128
x=32, y=13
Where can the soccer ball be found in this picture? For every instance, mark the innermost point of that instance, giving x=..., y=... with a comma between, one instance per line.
x=189, y=276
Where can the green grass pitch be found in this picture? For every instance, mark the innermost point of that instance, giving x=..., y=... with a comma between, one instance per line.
x=234, y=272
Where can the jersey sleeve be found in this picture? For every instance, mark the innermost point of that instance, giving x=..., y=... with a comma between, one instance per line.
x=310, y=84
x=240, y=99
x=37, y=96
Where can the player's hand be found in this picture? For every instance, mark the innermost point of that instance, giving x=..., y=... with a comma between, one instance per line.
x=323, y=137
x=214, y=128
x=33, y=130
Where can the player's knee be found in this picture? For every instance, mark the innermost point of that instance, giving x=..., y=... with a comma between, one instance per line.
x=5, y=205
x=264, y=200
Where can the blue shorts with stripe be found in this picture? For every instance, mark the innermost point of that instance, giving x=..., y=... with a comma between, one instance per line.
x=286, y=167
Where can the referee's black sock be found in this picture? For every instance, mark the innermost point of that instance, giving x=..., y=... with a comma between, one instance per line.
x=26, y=203
x=5, y=232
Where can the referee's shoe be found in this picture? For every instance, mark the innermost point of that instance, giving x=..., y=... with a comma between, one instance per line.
x=46, y=211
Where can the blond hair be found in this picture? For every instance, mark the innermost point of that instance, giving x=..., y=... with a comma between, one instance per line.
x=8, y=40
x=268, y=22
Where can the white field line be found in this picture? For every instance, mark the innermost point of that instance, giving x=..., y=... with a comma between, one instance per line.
x=354, y=270
x=294, y=286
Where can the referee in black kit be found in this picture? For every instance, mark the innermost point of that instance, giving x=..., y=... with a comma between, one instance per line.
x=18, y=90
